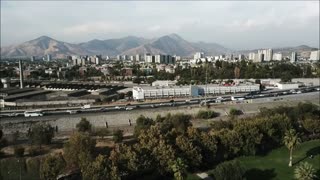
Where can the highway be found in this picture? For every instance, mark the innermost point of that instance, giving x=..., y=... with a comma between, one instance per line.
x=71, y=111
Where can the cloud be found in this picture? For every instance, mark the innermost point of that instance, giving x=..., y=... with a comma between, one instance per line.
x=93, y=27
x=226, y=22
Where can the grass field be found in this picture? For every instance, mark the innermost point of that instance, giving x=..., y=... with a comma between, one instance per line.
x=274, y=166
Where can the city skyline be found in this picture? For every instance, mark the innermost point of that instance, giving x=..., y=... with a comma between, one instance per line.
x=245, y=25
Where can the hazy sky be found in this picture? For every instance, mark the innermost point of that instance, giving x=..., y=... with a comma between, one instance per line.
x=234, y=24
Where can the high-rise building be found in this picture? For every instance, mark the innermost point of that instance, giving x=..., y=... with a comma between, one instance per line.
x=241, y=57
x=252, y=56
x=32, y=58
x=119, y=57
x=198, y=55
x=315, y=55
x=267, y=54
x=49, y=58
x=124, y=57
x=138, y=57
x=277, y=57
x=293, y=57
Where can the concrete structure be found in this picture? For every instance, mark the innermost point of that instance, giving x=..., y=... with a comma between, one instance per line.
x=287, y=85
x=293, y=58
x=32, y=58
x=251, y=56
x=241, y=57
x=138, y=57
x=21, y=74
x=141, y=93
x=315, y=55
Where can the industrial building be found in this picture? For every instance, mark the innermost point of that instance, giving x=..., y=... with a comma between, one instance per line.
x=141, y=93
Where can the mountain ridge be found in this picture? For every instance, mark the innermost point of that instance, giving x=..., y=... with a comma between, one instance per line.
x=130, y=45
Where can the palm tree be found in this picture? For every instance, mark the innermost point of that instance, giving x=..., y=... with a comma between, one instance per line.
x=291, y=140
x=304, y=171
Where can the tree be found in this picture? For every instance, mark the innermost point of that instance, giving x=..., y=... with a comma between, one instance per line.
x=41, y=134
x=52, y=166
x=78, y=151
x=206, y=114
x=179, y=169
x=311, y=125
x=291, y=140
x=84, y=125
x=305, y=171
x=142, y=123
x=98, y=169
x=118, y=136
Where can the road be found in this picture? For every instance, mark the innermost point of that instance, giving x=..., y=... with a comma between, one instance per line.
x=119, y=118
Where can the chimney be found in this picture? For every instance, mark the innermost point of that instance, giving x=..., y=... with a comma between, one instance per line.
x=21, y=74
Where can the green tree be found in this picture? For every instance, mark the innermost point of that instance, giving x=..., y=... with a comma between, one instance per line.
x=84, y=125
x=41, y=134
x=291, y=140
x=99, y=169
x=305, y=171
x=78, y=151
x=311, y=125
x=206, y=114
x=179, y=169
x=142, y=123
x=52, y=166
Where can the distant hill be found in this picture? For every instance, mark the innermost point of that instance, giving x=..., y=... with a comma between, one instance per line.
x=169, y=44
x=42, y=46
x=131, y=45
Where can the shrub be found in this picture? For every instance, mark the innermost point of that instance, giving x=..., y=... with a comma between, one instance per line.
x=18, y=151
x=206, y=114
x=118, y=135
x=235, y=112
x=229, y=170
x=84, y=125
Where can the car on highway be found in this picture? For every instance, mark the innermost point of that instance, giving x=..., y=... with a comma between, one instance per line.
x=119, y=107
x=129, y=108
x=103, y=109
x=13, y=115
x=73, y=111
x=34, y=113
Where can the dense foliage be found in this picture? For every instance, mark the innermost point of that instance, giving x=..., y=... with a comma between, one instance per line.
x=41, y=134
x=169, y=146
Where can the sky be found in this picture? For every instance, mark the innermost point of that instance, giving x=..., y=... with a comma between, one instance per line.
x=237, y=25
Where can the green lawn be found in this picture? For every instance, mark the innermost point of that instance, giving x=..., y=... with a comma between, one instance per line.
x=275, y=164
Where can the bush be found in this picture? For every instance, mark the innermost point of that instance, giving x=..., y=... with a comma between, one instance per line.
x=18, y=151
x=206, y=114
x=235, y=112
x=229, y=170
x=118, y=136
x=84, y=125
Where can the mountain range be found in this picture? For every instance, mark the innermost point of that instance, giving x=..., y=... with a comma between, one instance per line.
x=169, y=44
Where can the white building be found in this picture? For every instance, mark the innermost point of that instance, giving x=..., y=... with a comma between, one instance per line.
x=277, y=56
x=315, y=55
x=293, y=58
x=241, y=57
x=164, y=83
x=267, y=54
x=287, y=85
x=49, y=57
x=252, y=56
x=198, y=55
x=140, y=93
